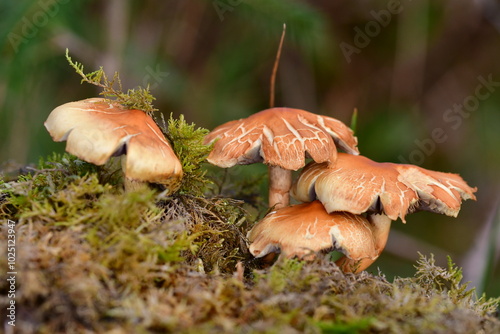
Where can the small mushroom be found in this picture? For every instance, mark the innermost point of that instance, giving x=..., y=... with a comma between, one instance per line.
x=96, y=129
x=305, y=229
x=282, y=138
x=357, y=184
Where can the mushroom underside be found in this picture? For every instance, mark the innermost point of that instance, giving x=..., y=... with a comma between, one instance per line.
x=281, y=137
x=358, y=185
x=96, y=130
x=306, y=229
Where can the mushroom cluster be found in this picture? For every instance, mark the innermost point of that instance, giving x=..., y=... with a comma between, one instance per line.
x=350, y=200
x=97, y=129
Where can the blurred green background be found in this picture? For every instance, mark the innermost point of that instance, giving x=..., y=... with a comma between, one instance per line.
x=424, y=75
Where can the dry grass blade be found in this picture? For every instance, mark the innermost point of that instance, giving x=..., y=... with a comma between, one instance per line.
x=275, y=68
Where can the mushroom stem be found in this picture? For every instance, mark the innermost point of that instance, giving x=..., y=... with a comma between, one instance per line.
x=381, y=225
x=348, y=265
x=131, y=185
x=280, y=182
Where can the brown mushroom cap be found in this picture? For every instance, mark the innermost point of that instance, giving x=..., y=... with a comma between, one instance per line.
x=357, y=184
x=301, y=229
x=281, y=137
x=96, y=129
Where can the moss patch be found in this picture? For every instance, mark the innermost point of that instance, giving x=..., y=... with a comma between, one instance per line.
x=93, y=258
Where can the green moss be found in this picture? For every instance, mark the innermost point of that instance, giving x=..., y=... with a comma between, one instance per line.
x=187, y=142
x=449, y=281
x=137, y=98
x=356, y=326
x=91, y=257
x=57, y=174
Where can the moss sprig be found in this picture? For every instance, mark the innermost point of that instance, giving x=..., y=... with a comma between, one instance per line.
x=187, y=142
x=136, y=98
x=449, y=281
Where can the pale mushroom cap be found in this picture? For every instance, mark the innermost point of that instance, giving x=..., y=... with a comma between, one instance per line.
x=357, y=184
x=96, y=129
x=304, y=228
x=281, y=137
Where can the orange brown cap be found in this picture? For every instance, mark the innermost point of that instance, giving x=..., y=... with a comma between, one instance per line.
x=281, y=137
x=357, y=184
x=96, y=129
x=303, y=229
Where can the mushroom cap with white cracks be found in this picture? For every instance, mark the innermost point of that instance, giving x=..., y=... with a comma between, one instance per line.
x=281, y=137
x=97, y=129
x=300, y=230
x=357, y=184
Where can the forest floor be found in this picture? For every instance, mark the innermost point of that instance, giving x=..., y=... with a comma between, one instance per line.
x=90, y=257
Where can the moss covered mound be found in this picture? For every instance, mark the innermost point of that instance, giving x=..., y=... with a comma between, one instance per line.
x=93, y=258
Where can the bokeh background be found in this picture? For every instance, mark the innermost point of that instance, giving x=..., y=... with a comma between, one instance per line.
x=424, y=76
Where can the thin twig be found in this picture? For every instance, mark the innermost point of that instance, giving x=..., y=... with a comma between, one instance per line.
x=275, y=67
